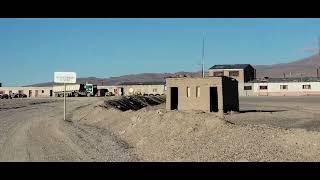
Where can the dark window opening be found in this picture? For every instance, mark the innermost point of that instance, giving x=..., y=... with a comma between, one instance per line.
x=283, y=86
x=233, y=73
x=218, y=73
x=263, y=87
x=306, y=86
x=247, y=87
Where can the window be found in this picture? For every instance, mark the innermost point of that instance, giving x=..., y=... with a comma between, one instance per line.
x=247, y=87
x=218, y=73
x=42, y=91
x=233, y=73
x=188, y=91
x=154, y=90
x=198, y=91
x=263, y=87
x=306, y=86
x=283, y=86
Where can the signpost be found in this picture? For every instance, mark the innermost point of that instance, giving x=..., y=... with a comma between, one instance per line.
x=65, y=78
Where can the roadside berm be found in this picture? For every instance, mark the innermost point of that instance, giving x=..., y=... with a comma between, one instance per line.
x=155, y=134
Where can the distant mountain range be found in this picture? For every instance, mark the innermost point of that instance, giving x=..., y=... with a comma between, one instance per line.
x=307, y=67
x=143, y=77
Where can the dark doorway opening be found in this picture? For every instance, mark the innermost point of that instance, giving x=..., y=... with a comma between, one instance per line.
x=50, y=93
x=122, y=91
x=174, y=98
x=213, y=99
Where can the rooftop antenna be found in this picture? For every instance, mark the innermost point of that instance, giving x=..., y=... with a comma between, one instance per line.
x=202, y=57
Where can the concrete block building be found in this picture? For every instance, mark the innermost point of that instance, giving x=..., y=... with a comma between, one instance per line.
x=209, y=94
x=243, y=73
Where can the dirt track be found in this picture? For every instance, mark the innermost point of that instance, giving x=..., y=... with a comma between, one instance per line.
x=33, y=130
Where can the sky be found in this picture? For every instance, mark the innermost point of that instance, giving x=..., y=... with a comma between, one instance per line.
x=31, y=50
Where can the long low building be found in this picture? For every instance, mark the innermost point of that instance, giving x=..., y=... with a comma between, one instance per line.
x=135, y=88
x=29, y=91
x=281, y=87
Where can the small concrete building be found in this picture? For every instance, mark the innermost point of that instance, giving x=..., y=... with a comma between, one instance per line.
x=209, y=94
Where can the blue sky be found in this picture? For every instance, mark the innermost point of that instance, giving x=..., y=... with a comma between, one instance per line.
x=32, y=49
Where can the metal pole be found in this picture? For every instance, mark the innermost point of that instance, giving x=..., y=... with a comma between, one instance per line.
x=64, y=117
x=203, y=57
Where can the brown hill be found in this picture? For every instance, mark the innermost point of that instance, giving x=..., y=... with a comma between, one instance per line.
x=307, y=67
x=143, y=77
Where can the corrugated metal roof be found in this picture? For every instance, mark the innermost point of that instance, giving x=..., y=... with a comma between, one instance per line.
x=230, y=66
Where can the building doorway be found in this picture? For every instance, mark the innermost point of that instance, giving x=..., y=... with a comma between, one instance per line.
x=36, y=93
x=51, y=93
x=121, y=91
x=174, y=98
x=30, y=93
x=213, y=99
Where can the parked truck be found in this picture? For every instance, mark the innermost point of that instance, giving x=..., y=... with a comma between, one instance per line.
x=75, y=90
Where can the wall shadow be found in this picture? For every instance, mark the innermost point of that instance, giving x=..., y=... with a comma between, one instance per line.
x=254, y=110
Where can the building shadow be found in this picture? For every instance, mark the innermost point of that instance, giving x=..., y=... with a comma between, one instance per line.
x=271, y=111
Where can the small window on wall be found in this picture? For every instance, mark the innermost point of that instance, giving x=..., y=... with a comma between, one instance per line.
x=283, y=86
x=233, y=73
x=218, y=73
x=154, y=90
x=198, y=91
x=188, y=91
x=247, y=87
x=263, y=87
x=306, y=86
x=42, y=91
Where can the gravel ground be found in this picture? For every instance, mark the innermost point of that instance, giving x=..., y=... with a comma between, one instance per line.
x=155, y=134
x=34, y=130
x=267, y=129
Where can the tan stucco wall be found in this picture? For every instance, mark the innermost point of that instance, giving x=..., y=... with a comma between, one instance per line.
x=193, y=102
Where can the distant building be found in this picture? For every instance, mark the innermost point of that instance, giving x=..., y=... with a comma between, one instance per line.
x=135, y=88
x=210, y=94
x=143, y=88
x=29, y=91
x=241, y=72
x=283, y=87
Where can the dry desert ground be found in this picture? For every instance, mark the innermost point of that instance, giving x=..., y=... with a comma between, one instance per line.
x=266, y=129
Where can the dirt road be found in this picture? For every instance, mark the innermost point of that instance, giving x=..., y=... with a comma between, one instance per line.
x=34, y=130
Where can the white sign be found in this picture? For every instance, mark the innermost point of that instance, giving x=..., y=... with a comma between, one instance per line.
x=65, y=77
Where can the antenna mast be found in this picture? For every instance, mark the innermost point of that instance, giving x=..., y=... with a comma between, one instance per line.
x=202, y=57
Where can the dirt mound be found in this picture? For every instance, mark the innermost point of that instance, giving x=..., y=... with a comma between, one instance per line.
x=134, y=102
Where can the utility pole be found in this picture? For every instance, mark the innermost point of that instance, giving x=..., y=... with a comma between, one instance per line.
x=202, y=57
